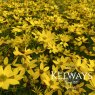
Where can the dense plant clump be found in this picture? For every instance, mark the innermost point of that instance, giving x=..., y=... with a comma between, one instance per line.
x=47, y=47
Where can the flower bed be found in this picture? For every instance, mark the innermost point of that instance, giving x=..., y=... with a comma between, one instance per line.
x=47, y=47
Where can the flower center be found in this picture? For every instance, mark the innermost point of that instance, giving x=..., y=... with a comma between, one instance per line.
x=61, y=63
x=3, y=78
x=51, y=82
x=41, y=71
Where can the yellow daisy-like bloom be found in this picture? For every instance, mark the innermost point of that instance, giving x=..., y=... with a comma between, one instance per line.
x=53, y=84
x=7, y=77
x=39, y=71
x=61, y=62
x=92, y=81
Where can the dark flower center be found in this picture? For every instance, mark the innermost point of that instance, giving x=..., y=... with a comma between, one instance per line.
x=3, y=78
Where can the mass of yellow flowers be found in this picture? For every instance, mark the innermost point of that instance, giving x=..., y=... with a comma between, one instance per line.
x=47, y=47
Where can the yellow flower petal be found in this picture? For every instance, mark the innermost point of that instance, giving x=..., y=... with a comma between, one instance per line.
x=36, y=75
x=92, y=82
x=41, y=66
x=1, y=84
x=46, y=68
x=16, y=52
x=47, y=82
x=18, y=77
x=6, y=61
x=54, y=87
x=7, y=71
x=5, y=85
x=1, y=70
x=16, y=71
x=12, y=81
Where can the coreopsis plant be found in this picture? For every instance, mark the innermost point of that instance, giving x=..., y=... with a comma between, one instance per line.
x=8, y=77
x=47, y=47
x=50, y=83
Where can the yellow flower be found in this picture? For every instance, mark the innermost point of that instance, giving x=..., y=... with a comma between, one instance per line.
x=7, y=77
x=26, y=52
x=42, y=68
x=92, y=81
x=46, y=36
x=16, y=29
x=17, y=52
x=43, y=58
x=61, y=62
x=53, y=84
x=92, y=93
x=1, y=41
x=82, y=65
x=74, y=90
x=64, y=37
x=39, y=71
